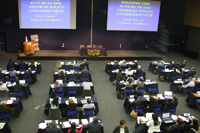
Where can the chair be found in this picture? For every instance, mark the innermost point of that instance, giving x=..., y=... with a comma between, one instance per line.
x=197, y=89
x=12, y=78
x=188, y=89
x=128, y=90
x=172, y=109
x=72, y=77
x=114, y=68
x=123, y=68
x=77, y=69
x=153, y=89
x=88, y=111
x=84, y=77
x=81, y=46
x=72, y=91
x=18, y=93
x=157, y=109
x=71, y=112
x=89, y=46
x=2, y=80
x=94, y=46
x=191, y=76
x=33, y=68
x=9, y=67
x=134, y=67
x=169, y=67
x=139, y=110
x=68, y=68
x=159, y=68
x=99, y=46
x=179, y=76
x=22, y=69
x=5, y=115
x=27, y=79
x=173, y=77
x=59, y=92
x=140, y=75
x=140, y=90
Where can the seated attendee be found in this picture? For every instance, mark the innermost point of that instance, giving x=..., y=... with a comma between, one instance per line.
x=71, y=104
x=173, y=73
x=76, y=64
x=129, y=82
x=88, y=105
x=129, y=72
x=170, y=65
x=136, y=102
x=192, y=127
x=53, y=128
x=115, y=65
x=74, y=130
x=4, y=108
x=85, y=63
x=28, y=73
x=119, y=75
x=54, y=111
x=2, y=75
x=183, y=64
x=13, y=73
x=87, y=88
x=177, y=127
x=11, y=63
x=18, y=86
x=62, y=75
x=22, y=64
x=85, y=71
x=122, y=128
x=123, y=64
x=58, y=66
x=190, y=84
x=140, y=83
x=153, y=103
x=55, y=88
x=161, y=64
x=172, y=103
x=33, y=63
x=139, y=70
x=135, y=64
x=3, y=87
x=154, y=124
x=95, y=126
x=192, y=72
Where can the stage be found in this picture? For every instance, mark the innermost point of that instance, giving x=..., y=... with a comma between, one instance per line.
x=75, y=55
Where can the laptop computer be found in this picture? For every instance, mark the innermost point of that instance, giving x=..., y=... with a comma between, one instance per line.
x=168, y=94
x=166, y=118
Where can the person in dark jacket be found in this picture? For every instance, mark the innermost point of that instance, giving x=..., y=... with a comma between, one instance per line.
x=192, y=127
x=95, y=126
x=4, y=108
x=18, y=86
x=153, y=103
x=122, y=128
x=28, y=73
x=53, y=128
x=22, y=64
x=177, y=127
x=172, y=103
x=11, y=63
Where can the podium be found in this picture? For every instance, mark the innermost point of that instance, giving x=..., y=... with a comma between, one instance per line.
x=28, y=48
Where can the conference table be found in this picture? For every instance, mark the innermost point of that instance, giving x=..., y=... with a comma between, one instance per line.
x=79, y=104
x=77, y=85
x=109, y=66
x=17, y=104
x=6, y=127
x=65, y=130
x=25, y=88
x=165, y=72
x=102, y=50
x=78, y=75
x=192, y=98
x=144, y=102
x=113, y=74
x=174, y=85
x=147, y=85
x=37, y=66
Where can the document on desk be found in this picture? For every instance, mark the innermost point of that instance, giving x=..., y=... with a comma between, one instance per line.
x=2, y=125
x=67, y=102
x=183, y=118
x=131, y=100
x=13, y=98
x=52, y=85
x=56, y=72
x=42, y=125
x=9, y=101
x=84, y=121
x=66, y=124
x=75, y=121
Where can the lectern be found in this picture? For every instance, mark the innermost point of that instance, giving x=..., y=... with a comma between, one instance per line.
x=28, y=48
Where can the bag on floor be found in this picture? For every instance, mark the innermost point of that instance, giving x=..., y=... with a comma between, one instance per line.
x=162, y=78
x=133, y=114
x=120, y=95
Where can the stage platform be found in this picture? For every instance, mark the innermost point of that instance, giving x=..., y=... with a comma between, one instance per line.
x=111, y=55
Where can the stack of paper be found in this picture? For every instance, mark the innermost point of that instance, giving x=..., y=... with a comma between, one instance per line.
x=174, y=117
x=183, y=118
x=131, y=96
x=87, y=97
x=66, y=124
x=56, y=72
x=9, y=101
x=13, y=98
x=91, y=119
x=131, y=100
x=143, y=119
x=67, y=102
x=42, y=125
x=52, y=85
x=74, y=121
x=2, y=125
x=84, y=121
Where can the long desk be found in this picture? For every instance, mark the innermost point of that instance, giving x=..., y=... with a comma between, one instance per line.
x=17, y=104
x=78, y=88
x=65, y=130
x=6, y=128
x=102, y=52
x=144, y=102
x=79, y=104
x=174, y=86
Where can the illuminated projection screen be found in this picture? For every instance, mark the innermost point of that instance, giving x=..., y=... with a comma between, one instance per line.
x=130, y=15
x=47, y=14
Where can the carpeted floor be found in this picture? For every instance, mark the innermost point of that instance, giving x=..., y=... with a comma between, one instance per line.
x=111, y=109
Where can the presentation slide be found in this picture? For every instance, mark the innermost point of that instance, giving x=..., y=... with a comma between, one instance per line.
x=47, y=14
x=130, y=15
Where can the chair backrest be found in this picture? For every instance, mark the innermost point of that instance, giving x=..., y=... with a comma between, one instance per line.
x=71, y=109
x=84, y=76
x=5, y=115
x=99, y=46
x=72, y=76
x=72, y=89
x=26, y=77
x=128, y=88
x=94, y=46
x=89, y=46
x=88, y=111
x=12, y=77
x=140, y=88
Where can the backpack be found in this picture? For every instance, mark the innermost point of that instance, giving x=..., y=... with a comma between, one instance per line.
x=195, y=130
x=120, y=95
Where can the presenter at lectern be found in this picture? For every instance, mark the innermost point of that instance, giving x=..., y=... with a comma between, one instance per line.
x=21, y=48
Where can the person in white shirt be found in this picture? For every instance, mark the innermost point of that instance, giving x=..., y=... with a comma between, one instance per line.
x=88, y=105
x=154, y=124
x=130, y=72
x=2, y=87
x=190, y=84
x=87, y=88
